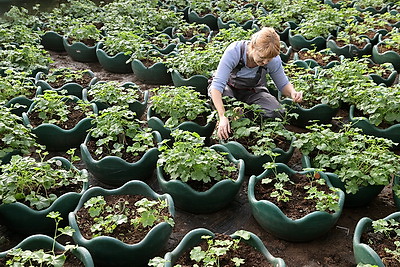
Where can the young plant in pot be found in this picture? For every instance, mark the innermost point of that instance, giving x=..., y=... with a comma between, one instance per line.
x=295, y=206
x=254, y=138
x=180, y=107
x=31, y=188
x=199, y=178
x=363, y=177
x=119, y=147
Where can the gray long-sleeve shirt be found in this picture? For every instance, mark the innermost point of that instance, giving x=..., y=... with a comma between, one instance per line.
x=230, y=60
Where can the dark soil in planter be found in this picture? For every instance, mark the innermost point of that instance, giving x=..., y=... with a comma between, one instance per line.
x=251, y=257
x=297, y=207
x=379, y=242
x=321, y=59
x=71, y=261
x=88, y=42
x=123, y=232
x=83, y=81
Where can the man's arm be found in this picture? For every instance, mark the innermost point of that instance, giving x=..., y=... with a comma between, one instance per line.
x=224, y=128
x=288, y=90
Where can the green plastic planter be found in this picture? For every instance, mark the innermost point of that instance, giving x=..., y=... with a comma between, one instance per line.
x=54, y=137
x=80, y=52
x=209, y=19
x=158, y=125
x=396, y=199
x=363, y=253
x=109, y=251
x=273, y=220
x=155, y=74
x=115, y=171
x=116, y=63
x=52, y=41
x=212, y=200
x=388, y=56
x=21, y=100
x=199, y=82
x=349, y=50
x=392, y=133
x=72, y=88
x=311, y=63
x=232, y=23
x=298, y=42
x=36, y=242
x=20, y=218
x=193, y=238
x=254, y=163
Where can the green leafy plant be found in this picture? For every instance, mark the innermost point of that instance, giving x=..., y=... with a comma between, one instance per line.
x=86, y=33
x=21, y=257
x=127, y=42
x=14, y=83
x=65, y=75
x=188, y=159
x=390, y=229
x=24, y=179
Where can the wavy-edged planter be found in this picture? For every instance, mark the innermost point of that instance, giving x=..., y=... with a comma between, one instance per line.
x=20, y=218
x=349, y=50
x=273, y=220
x=363, y=253
x=362, y=197
x=56, y=138
x=297, y=41
x=286, y=52
x=20, y=100
x=389, y=81
x=373, y=10
x=214, y=199
x=158, y=125
x=392, y=132
x=154, y=74
x=254, y=163
x=72, y=88
x=204, y=33
x=209, y=19
x=52, y=41
x=247, y=25
x=109, y=251
x=115, y=63
x=388, y=56
x=115, y=171
x=194, y=238
x=311, y=63
x=199, y=82
x=80, y=52
x=38, y=241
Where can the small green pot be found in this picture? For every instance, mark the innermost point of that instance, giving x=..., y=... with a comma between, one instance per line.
x=194, y=237
x=22, y=219
x=349, y=50
x=392, y=133
x=388, y=56
x=363, y=253
x=273, y=220
x=72, y=88
x=155, y=74
x=158, y=125
x=54, y=137
x=80, y=52
x=209, y=19
x=214, y=199
x=109, y=251
x=115, y=171
x=116, y=63
x=298, y=42
x=254, y=163
x=199, y=82
x=36, y=242
x=52, y=41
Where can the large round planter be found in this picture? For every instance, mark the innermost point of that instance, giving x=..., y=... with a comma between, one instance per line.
x=389, y=81
x=253, y=163
x=364, y=195
x=52, y=41
x=209, y=19
x=203, y=34
x=311, y=63
x=388, y=56
x=115, y=171
x=158, y=125
x=349, y=50
x=21, y=100
x=72, y=88
x=154, y=74
x=20, y=218
x=373, y=10
x=214, y=199
x=199, y=82
x=232, y=23
x=116, y=63
x=80, y=52
x=109, y=251
x=363, y=253
x=56, y=138
x=36, y=242
x=298, y=42
x=273, y=220
x=392, y=133
x=194, y=237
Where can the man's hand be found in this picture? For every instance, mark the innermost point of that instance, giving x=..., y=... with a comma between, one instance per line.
x=224, y=128
x=297, y=96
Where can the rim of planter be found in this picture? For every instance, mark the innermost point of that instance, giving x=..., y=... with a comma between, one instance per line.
x=199, y=82
x=111, y=251
x=115, y=63
x=363, y=252
x=154, y=74
x=349, y=50
x=39, y=241
x=52, y=40
x=113, y=170
x=298, y=41
x=247, y=25
x=215, y=198
x=23, y=219
x=194, y=237
x=392, y=132
x=272, y=219
x=22, y=100
x=388, y=56
x=209, y=19
x=79, y=51
x=373, y=10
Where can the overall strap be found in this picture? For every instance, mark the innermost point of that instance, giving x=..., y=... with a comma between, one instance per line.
x=240, y=65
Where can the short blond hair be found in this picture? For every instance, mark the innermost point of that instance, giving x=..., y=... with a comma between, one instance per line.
x=267, y=42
